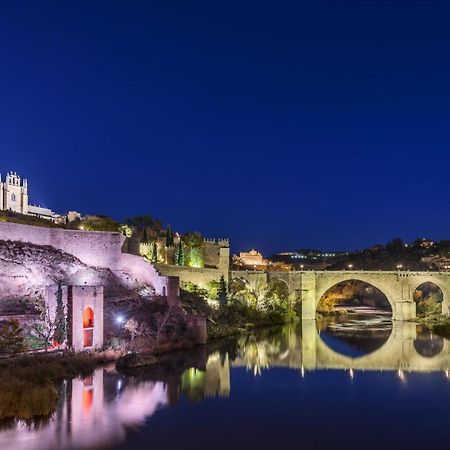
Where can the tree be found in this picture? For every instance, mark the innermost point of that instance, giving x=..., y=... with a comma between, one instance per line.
x=44, y=328
x=169, y=236
x=144, y=236
x=444, y=247
x=126, y=230
x=396, y=246
x=162, y=320
x=222, y=291
x=194, y=257
x=11, y=338
x=144, y=221
x=154, y=257
x=135, y=328
x=179, y=255
x=99, y=223
x=60, y=335
x=194, y=239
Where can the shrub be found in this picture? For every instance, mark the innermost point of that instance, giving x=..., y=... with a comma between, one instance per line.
x=11, y=338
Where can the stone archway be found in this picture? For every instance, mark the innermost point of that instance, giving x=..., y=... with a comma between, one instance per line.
x=429, y=298
x=353, y=293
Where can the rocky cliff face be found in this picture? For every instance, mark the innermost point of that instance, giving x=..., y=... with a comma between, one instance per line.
x=26, y=269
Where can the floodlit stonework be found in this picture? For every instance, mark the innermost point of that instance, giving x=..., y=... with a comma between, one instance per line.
x=14, y=197
x=217, y=264
x=309, y=287
x=14, y=194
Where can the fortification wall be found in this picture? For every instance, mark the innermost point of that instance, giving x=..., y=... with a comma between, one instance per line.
x=212, y=251
x=101, y=249
x=199, y=276
x=98, y=249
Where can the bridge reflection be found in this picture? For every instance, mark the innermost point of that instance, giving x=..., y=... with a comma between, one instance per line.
x=98, y=411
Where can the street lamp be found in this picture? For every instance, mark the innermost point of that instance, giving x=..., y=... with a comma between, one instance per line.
x=120, y=319
x=399, y=266
x=350, y=266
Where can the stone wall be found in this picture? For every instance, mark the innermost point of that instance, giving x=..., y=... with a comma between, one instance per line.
x=98, y=249
x=102, y=249
x=199, y=276
x=214, y=251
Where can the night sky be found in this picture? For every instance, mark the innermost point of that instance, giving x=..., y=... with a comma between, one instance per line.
x=277, y=124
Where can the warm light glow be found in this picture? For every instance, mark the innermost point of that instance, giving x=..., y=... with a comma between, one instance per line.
x=88, y=318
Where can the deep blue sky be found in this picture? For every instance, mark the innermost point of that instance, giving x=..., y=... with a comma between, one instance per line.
x=278, y=124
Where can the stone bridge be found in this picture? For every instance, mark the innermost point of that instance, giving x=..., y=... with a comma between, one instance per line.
x=309, y=287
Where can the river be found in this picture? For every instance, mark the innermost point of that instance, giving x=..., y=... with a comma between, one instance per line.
x=356, y=382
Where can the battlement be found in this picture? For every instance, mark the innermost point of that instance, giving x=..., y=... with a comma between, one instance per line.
x=222, y=242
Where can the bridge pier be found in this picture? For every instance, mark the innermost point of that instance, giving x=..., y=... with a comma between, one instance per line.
x=404, y=310
x=309, y=296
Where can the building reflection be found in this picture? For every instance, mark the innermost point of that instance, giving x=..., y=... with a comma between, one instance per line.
x=94, y=411
x=99, y=410
x=214, y=381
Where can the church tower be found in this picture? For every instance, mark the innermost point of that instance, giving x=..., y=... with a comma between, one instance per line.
x=14, y=194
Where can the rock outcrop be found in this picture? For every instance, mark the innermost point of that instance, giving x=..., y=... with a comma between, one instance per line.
x=26, y=269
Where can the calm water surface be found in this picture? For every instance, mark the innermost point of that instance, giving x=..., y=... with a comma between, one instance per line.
x=355, y=382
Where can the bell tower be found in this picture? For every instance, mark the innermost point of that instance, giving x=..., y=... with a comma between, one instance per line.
x=14, y=194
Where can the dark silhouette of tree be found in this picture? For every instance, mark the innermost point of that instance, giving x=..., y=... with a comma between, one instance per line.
x=154, y=252
x=169, y=236
x=60, y=334
x=222, y=292
x=396, y=246
x=179, y=255
x=11, y=338
x=144, y=221
x=144, y=239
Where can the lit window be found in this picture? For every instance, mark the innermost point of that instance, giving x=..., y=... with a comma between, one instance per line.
x=88, y=327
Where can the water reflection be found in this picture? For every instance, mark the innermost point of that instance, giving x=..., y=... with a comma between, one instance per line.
x=102, y=410
x=93, y=411
x=359, y=332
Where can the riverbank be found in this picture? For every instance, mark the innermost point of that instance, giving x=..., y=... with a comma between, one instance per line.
x=29, y=383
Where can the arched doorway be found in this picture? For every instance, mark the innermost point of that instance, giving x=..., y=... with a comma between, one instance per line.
x=428, y=297
x=354, y=318
x=88, y=327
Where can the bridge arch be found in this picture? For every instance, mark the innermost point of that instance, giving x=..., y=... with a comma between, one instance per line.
x=429, y=297
x=328, y=283
x=324, y=303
